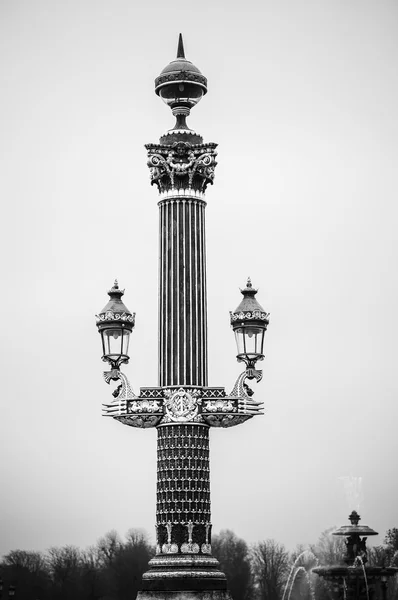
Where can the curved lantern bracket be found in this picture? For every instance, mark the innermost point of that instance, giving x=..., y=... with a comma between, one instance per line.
x=237, y=407
x=128, y=408
x=242, y=389
x=122, y=394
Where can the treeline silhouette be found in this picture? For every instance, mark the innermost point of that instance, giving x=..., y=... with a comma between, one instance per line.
x=113, y=567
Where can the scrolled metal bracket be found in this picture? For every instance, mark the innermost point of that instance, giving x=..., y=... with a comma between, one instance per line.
x=122, y=394
x=236, y=407
x=128, y=408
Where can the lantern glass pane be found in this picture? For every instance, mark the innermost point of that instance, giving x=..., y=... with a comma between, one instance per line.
x=254, y=338
x=239, y=337
x=112, y=342
x=126, y=340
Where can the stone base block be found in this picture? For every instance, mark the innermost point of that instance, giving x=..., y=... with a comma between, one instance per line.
x=185, y=595
x=179, y=573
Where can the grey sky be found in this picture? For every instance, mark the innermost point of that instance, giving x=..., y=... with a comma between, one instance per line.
x=303, y=101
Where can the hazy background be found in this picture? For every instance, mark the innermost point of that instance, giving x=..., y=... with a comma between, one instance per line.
x=303, y=101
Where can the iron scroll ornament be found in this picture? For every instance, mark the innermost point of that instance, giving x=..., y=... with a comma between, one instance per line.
x=184, y=404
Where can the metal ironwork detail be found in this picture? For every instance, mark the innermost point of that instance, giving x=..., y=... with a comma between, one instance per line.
x=216, y=406
x=181, y=406
x=183, y=487
x=253, y=316
x=181, y=76
x=123, y=393
x=226, y=420
x=144, y=406
x=210, y=392
x=206, y=547
x=182, y=165
x=110, y=315
x=142, y=421
x=184, y=404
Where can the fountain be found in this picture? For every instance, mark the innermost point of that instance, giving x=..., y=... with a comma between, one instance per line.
x=354, y=579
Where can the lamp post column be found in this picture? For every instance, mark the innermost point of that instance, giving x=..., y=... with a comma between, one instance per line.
x=182, y=293
x=181, y=167
x=182, y=407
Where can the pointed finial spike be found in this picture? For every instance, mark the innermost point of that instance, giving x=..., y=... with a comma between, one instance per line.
x=180, y=50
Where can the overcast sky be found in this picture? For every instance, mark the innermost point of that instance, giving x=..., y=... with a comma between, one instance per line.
x=303, y=101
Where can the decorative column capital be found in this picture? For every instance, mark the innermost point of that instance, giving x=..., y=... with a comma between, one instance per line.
x=182, y=169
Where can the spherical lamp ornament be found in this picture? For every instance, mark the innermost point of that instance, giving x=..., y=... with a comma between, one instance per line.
x=249, y=323
x=115, y=323
x=181, y=84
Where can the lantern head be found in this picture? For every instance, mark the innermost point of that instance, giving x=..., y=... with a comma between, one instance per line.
x=249, y=322
x=115, y=323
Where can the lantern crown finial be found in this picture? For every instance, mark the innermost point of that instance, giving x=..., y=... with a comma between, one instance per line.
x=249, y=290
x=115, y=292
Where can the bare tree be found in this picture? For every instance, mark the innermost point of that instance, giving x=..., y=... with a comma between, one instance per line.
x=108, y=547
x=91, y=574
x=28, y=570
x=64, y=565
x=233, y=555
x=391, y=538
x=329, y=549
x=270, y=565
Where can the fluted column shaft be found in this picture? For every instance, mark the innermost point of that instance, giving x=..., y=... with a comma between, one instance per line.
x=182, y=294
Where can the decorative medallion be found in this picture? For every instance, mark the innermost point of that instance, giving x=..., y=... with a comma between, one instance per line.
x=181, y=406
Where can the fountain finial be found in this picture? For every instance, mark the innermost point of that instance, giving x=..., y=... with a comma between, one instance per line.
x=354, y=518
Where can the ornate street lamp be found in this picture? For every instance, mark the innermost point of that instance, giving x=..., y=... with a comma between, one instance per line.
x=115, y=324
x=249, y=323
x=183, y=407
